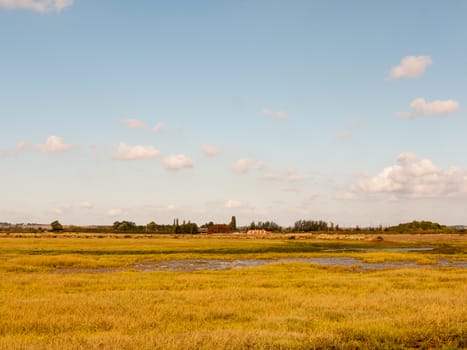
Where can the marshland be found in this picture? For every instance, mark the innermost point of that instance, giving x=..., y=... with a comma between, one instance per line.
x=81, y=291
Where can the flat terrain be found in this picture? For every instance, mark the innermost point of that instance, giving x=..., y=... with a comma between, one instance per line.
x=78, y=291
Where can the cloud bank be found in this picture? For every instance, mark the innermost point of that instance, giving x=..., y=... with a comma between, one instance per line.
x=412, y=177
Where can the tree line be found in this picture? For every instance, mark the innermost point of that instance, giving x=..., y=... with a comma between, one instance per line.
x=188, y=227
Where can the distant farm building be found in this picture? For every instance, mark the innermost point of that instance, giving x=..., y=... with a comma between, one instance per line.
x=203, y=230
x=258, y=232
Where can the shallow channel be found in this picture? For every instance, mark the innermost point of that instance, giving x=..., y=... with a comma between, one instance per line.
x=190, y=265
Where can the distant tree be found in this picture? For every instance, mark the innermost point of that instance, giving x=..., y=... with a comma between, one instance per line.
x=207, y=225
x=266, y=225
x=233, y=224
x=310, y=225
x=56, y=226
x=151, y=227
x=189, y=228
x=419, y=226
x=125, y=226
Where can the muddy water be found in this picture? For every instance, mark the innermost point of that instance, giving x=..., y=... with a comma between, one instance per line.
x=413, y=249
x=191, y=265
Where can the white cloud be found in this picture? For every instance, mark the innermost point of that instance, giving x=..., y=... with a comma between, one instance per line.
x=411, y=67
x=210, y=150
x=178, y=161
x=114, y=212
x=281, y=177
x=170, y=207
x=403, y=158
x=260, y=165
x=274, y=114
x=133, y=123
x=125, y=152
x=43, y=6
x=86, y=205
x=244, y=165
x=3, y=153
x=242, y=207
x=272, y=177
x=22, y=146
x=231, y=203
x=346, y=195
x=342, y=134
x=290, y=189
x=159, y=127
x=311, y=198
x=420, y=108
x=354, y=124
x=63, y=209
x=412, y=177
x=294, y=178
x=290, y=175
x=166, y=208
x=53, y=144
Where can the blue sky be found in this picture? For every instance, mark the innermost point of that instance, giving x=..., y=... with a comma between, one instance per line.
x=350, y=112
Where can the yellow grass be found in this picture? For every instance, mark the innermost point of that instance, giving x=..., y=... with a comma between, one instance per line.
x=278, y=306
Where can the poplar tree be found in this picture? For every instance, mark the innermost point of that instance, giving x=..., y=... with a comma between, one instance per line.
x=233, y=224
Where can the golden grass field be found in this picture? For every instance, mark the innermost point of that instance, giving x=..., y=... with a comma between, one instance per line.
x=84, y=293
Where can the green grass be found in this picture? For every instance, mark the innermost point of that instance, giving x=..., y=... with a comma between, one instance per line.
x=278, y=306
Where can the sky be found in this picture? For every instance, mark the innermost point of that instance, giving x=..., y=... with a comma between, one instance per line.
x=352, y=112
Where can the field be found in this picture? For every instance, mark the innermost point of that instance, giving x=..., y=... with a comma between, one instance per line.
x=113, y=293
